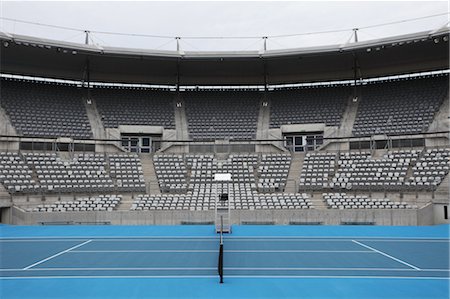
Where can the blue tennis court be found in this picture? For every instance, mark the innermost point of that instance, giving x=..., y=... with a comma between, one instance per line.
x=259, y=262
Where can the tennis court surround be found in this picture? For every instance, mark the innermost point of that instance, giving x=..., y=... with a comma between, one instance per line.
x=259, y=262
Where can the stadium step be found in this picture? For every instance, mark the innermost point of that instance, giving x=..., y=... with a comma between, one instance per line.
x=349, y=117
x=442, y=192
x=262, y=131
x=318, y=201
x=151, y=180
x=98, y=131
x=441, y=120
x=125, y=203
x=181, y=122
x=6, y=128
x=294, y=172
x=5, y=198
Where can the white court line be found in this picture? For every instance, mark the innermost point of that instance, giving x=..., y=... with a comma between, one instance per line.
x=230, y=239
x=55, y=255
x=226, y=268
x=212, y=238
x=215, y=251
x=386, y=255
x=232, y=277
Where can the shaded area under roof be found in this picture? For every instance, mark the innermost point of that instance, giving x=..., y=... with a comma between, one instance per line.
x=423, y=51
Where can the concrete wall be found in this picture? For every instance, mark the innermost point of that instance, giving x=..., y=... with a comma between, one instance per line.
x=5, y=214
x=9, y=145
x=282, y=217
x=438, y=213
x=169, y=135
x=6, y=127
x=425, y=215
x=438, y=141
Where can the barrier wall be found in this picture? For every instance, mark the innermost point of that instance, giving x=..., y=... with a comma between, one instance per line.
x=280, y=217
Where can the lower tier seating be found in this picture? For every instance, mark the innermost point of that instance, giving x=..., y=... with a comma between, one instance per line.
x=96, y=203
x=249, y=201
x=343, y=201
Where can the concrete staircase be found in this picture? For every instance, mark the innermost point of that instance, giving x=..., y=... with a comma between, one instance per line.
x=151, y=180
x=5, y=197
x=262, y=129
x=181, y=124
x=442, y=192
x=349, y=118
x=441, y=120
x=98, y=131
x=294, y=172
x=6, y=127
x=318, y=201
x=125, y=203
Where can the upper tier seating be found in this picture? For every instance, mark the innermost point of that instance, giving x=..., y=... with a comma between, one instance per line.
x=15, y=174
x=222, y=114
x=96, y=203
x=399, y=107
x=305, y=106
x=45, y=110
x=83, y=173
x=135, y=107
x=127, y=170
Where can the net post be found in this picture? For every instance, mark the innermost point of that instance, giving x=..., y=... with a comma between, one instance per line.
x=220, y=265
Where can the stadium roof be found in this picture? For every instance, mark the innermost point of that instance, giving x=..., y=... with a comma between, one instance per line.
x=422, y=51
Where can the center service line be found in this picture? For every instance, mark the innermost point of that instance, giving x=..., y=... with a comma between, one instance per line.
x=386, y=255
x=55, y=255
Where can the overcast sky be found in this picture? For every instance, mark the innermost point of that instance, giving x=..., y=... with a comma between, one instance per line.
x=220, y=19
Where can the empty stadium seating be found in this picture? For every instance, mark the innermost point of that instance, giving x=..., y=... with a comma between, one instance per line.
x=82, y=173
x=15, y=175
x=222, y=114
x=171, y=173
x=95, y=203
x=343, y=201
x=430, y=170
x=399, y=107
x=359, y=170
x=45, y=110
x=273, y=171
x=203, y=168
x=252, y=174
x=127, y=170
x=317, y=170
x=396, y=170
x=202, y=203
x=135, y=107
x=308, y=105
x=402, y=106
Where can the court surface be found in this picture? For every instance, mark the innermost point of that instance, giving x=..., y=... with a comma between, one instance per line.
x=259, y=262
